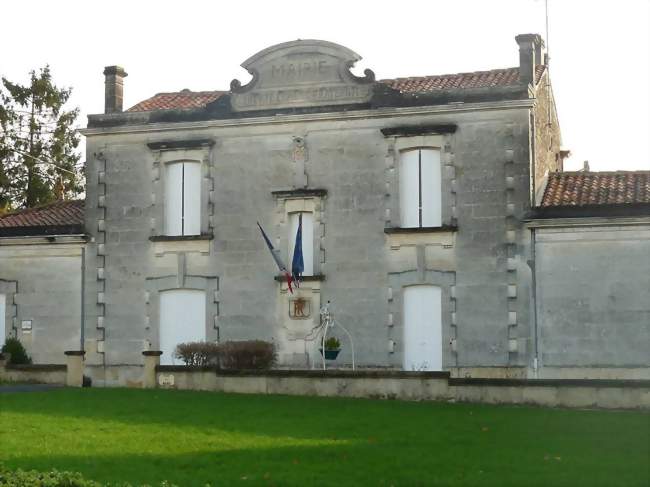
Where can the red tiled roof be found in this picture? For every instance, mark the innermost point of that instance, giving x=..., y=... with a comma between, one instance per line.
x=460, y=81
x=597, y=188
x=53, y=214
x=177, y=100
x=422, y=84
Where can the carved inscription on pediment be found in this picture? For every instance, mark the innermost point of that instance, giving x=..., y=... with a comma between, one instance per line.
x=301, y=74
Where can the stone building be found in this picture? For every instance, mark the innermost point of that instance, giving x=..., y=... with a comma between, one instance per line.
x=40, y=278
x=437, y=222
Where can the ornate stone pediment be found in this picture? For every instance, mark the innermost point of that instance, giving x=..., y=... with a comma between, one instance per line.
x=303, y=73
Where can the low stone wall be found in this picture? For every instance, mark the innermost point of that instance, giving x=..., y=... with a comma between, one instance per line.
x=37, y=373
x=370, y=384
x=436, y=386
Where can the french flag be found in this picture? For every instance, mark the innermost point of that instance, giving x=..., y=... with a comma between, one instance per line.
x=276, y=257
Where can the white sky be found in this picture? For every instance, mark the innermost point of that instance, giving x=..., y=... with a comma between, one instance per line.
x=600, y=51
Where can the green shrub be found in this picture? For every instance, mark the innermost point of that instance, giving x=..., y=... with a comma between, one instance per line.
x=18, y=353
x=332, y=343
x=247, y=354
x=54, y=478
x=198, y=353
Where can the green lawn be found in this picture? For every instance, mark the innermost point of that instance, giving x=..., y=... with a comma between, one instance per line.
x=191, y=438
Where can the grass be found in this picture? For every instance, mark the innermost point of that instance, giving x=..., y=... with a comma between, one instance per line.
x=191, y=438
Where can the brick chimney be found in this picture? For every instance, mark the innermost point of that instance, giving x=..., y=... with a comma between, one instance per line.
x=531, y=55
x=114, y=88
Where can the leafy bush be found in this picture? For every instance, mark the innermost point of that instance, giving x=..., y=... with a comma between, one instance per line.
x=332, y=343
x=18, y=353
x=198, y=353
x=247, y=354
x=54, y=478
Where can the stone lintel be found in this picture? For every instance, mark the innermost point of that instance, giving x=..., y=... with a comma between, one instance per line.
x=411, y=130
x=299, y=193
x=181, y=144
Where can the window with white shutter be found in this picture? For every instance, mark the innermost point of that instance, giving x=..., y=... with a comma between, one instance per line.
x=183, y=198
x=420, y=188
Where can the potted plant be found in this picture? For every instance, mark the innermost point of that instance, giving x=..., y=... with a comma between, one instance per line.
x=332, y=348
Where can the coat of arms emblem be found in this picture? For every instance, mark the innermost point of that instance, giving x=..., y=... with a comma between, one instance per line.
x=299, y=308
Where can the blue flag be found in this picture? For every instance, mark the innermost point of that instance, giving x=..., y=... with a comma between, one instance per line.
x=297, y=264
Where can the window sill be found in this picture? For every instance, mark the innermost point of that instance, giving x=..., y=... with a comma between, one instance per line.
x=300, y=193
x=442, y=229
x=180, y=238
x=315, y=278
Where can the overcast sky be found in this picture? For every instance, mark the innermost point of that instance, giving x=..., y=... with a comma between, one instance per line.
x=600, y=51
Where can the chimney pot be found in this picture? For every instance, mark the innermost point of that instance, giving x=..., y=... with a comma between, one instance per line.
x=531, y=55
x=114, y=88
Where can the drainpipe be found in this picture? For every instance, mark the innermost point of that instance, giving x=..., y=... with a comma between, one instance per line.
x=533, y=266
x=83, y=292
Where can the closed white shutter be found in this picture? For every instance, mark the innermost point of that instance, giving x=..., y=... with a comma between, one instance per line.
x=409, y=189
x=3, y=311
x=431, y=185
x=307, y=240
x=174, y=199
x=182, y=319
x=422, y=328
x=192, y=198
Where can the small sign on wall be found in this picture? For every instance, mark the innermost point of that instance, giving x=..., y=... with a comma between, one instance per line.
x=299, y=308
x=166, y=380
x=26, y=326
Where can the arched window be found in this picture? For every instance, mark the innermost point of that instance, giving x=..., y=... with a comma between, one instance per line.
x=183, y=198
x=420, y=188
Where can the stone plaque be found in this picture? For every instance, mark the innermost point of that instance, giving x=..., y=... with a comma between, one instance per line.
x=166, y=380
x=303, y=73
x=299, y=308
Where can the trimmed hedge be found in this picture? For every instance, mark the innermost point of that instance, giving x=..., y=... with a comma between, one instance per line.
x=249, y=354
x=198, y=353
x=246, y=354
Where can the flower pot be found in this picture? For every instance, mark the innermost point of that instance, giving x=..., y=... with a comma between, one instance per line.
x=330, y=354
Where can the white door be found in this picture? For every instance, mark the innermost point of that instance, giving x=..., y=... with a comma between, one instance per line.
x=3, y=310
x=182, y=319
x=422, y=328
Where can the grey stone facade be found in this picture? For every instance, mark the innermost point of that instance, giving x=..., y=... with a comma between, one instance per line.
x=40, y=279
x=508, y=309
x=593, y=295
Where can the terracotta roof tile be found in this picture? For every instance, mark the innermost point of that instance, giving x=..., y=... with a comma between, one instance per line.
x=597, y=188
x=421, y=84
x=59, y=213
x=177, y=100
x=460, y=81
